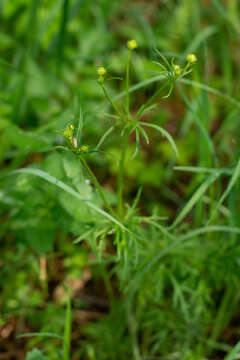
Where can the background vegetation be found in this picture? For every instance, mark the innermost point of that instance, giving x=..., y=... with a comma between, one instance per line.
x=174, y=295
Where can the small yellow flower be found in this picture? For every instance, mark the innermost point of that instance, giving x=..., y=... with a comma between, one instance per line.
x=132, y=44
x=101, y=71
x=191, y=58
x=177, y=69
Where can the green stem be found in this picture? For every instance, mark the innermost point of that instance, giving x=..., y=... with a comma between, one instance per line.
x=110, y=100
x=98, y=186
x=150, y=100
x=121, y=172
x=127, y=84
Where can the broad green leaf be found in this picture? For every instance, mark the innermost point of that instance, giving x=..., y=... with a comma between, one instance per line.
x=25, y=140
x=35, y=354
x=40, y=238
x=68, y=189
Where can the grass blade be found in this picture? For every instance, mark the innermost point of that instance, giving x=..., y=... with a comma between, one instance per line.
x=197, y=120
x=201, y=38
x=62, y=33
x=67, y=330
x=234, y=352
x=226, y=171
x=41, y=334
x=195, y=198
x=210, y=90
x=135, y=283
x=232, y=182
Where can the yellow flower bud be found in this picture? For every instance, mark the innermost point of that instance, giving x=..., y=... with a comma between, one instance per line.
x=177, y=69
x=84, y=148
x=191, y=58
x=132, y=44
x=101, y=71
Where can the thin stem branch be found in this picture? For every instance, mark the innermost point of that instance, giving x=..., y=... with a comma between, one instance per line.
x=127, y=84
x=150, y=100
x=98, y=186
x=110, y=100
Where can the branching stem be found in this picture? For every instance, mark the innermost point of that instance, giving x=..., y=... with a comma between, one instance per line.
x=121, y=172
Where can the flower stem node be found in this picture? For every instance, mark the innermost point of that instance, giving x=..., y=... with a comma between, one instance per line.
x=132, y=44
x=191, y=58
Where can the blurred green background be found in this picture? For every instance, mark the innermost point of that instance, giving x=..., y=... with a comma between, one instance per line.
x=50, y=51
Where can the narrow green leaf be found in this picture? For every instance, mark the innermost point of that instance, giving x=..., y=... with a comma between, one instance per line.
x=105, y=135
x=144, y=134
x=163, y=133
x=137, y=143
x=164, y=59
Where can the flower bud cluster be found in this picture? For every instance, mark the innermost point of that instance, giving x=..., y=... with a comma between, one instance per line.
x=101, y=72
